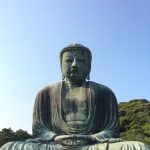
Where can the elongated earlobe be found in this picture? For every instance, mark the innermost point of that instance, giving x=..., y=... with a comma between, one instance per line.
x=88, y=77
x=63, y=77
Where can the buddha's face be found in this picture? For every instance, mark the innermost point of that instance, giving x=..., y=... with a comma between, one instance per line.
x=75, y=65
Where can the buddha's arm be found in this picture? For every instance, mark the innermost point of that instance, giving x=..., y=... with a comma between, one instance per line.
x=109, y=118
x=41, y=117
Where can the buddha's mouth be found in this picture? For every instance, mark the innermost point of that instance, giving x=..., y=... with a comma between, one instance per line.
x=74, y=70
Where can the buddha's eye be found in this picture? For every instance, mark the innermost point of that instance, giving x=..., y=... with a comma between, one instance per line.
x=69, y=60
x=81, y=60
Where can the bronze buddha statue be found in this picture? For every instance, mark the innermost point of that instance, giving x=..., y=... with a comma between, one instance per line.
x=75, y=113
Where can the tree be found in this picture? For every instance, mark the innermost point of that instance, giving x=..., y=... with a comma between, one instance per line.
x=7, y=135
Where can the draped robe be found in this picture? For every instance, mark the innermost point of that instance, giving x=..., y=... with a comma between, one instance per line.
x=102, y=121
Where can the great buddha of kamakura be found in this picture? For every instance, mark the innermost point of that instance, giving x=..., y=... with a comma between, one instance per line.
x=75, y=113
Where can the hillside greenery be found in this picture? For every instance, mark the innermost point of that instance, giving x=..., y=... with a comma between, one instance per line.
x=134, y=124
x=7, y=135
x=135, y=120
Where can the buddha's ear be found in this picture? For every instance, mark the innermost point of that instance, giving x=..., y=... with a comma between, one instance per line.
x=89, y=70
x=88, y=77
x=63, y=77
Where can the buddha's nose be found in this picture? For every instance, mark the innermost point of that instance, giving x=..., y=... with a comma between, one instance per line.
x=74, y=64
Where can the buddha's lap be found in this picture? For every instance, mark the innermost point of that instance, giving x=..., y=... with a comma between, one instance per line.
x=128, y=145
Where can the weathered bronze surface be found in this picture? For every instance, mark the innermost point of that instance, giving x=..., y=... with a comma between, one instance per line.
x=76, y=113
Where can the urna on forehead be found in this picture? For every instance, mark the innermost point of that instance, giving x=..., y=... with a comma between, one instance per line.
x=79, y=48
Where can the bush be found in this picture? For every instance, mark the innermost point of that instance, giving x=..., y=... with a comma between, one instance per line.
x=135, y=120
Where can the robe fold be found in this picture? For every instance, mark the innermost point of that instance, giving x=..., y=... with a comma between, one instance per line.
x=102, y=121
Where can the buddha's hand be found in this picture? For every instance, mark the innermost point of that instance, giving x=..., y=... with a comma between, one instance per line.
x=75, y=140
x=38, y=140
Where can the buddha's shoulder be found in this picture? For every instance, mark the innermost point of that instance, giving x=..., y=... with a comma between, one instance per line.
x=96, y=86
x=50, y=87
x=99, y=86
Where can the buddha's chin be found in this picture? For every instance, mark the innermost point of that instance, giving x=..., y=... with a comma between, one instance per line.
x=76, y=81
x=76, y=77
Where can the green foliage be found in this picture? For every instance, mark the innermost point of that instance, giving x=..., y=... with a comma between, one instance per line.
x=7, y=135
x=135, y=120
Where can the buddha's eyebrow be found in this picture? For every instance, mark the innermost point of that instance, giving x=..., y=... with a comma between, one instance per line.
x=68, y=56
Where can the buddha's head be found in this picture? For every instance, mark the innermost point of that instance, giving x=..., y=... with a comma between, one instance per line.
x=75, y=62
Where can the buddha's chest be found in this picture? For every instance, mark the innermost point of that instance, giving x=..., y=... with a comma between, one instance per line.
x=75, y=105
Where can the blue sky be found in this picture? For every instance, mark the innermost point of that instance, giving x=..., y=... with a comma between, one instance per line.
x=32, y=33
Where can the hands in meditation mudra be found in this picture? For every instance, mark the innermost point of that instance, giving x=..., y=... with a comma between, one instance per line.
x=76, y=113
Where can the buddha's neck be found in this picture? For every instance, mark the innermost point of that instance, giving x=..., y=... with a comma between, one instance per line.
x=75, y=83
